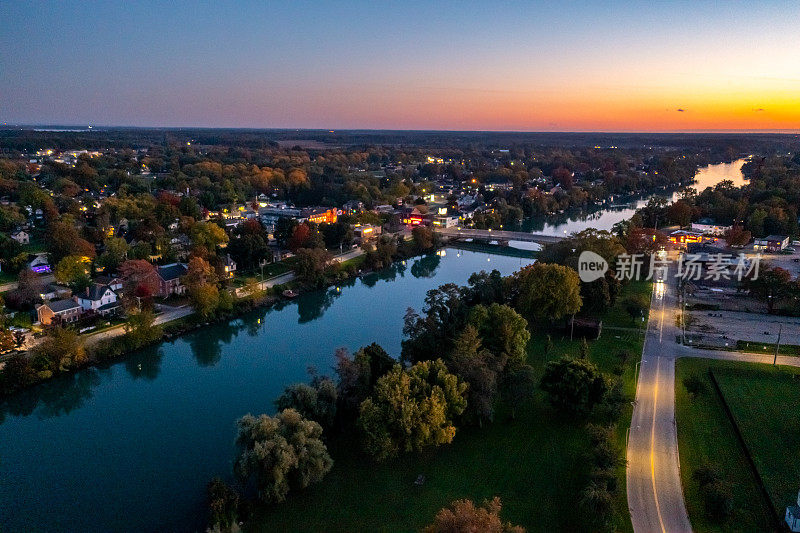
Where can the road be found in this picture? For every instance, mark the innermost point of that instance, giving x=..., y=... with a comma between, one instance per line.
x=289, y=276
x=11, y=285
x=655, y=494
x=168, y=314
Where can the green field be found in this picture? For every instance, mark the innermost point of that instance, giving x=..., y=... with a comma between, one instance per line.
x=764, y=401
x=706, y=435
x=537, y=464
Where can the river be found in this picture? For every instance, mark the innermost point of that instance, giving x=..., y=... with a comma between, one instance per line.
x=130, y=446
x=606, y=217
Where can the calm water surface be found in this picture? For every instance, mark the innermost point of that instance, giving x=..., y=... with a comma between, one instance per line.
x=131, y=446
x=605, y=219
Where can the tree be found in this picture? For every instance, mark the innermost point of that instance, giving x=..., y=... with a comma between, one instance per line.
x=547, y=291
x=411, y=410
x=359, y=374
x=480, y=368
x=737, y=237
x=17, y=374
x=61, y=350
x=139, y=279
x=284, y=228
x=63, y=240
x=463, y=516
x=573, y=386
x=223, y=505
x=311, y=265
x=423, y=238
x=281, y=453
x=207, y=235
x=771, y=285
x=29, y=288
x=201, y=285
x=598, y=502
x=519, y=383
x=249, y=245
x=116, y=251
x=446, y=313
x=502, y=330
x=316, y=401
x=485, y=288
x=140, y=327
x=72, y=269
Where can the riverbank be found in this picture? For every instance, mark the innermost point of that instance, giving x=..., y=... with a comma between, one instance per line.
x=516, y=459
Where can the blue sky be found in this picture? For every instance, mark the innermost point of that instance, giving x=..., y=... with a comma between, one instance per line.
x=443, y=65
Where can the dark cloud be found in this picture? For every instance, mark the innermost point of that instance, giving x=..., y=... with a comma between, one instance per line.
x=759, y=110
x=681, y=110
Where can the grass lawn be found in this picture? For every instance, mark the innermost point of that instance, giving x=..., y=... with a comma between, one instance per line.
x=537, y=464
x=761, y=347
x=765, y=401
x=618, y=316
x=705, y=436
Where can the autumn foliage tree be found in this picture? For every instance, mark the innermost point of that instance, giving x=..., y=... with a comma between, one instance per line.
x=139, y=280
x=464, y=516
x=411, y=410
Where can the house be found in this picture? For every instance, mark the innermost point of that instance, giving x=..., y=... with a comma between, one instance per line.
x=63, y=311
x=793, y=516
x=169, y=279
x=21, y=236
x=114, y=283
x=39, y=264
x=99, y=299
x=771, y=243
x=55, y=292
x=365, y=232
x=229, y=265
x=443, y=221
x=708, y=227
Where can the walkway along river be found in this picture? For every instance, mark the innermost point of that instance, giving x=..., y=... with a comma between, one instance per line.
x=131, y=446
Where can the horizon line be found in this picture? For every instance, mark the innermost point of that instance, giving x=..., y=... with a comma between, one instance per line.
x=773, y=131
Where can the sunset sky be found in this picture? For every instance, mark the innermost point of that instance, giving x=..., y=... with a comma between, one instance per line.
x=532, y=66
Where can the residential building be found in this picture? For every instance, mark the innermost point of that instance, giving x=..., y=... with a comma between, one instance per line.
x=229, y=265
x=99, y=299
x=771, y=243
x=60, y=311
x=21, y=236
x=708, y=227
x=169, y=278
x=365, y=233
x=444, y=221
x=39, y=264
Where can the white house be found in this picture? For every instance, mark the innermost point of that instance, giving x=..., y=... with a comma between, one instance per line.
x=708, y=227
x=39, y=264
x=21, y=236
x=99, y=298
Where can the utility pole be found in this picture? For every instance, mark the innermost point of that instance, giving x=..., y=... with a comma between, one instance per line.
x=777, y=345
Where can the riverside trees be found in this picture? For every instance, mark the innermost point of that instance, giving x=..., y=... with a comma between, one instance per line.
x=281, y=453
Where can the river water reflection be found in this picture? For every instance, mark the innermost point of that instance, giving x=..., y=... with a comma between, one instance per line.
x=131, y=446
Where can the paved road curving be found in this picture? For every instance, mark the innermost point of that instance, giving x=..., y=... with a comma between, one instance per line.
x=655, y=494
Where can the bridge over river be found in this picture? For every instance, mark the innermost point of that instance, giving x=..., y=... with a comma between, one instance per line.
x=502, y=237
